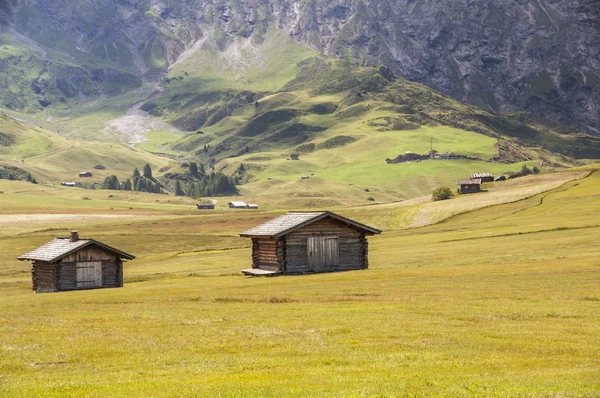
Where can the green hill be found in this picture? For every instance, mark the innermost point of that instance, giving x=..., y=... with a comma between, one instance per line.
x=258, y=102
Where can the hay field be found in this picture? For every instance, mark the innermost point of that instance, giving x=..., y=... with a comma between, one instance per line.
x=500, y=301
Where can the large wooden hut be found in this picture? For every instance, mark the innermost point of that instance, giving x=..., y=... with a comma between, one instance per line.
x=308, y=242
x=75, y=264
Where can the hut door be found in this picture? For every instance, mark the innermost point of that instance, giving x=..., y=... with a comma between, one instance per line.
x=323, y=253
x=89, y=274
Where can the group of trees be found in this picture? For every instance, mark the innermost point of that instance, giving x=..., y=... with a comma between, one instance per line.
x=139, y=182
x=200, y=183
x=196, y=182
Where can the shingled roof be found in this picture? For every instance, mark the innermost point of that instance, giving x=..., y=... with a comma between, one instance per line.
x=292, y=221
x=469, y=182
x=62, y=247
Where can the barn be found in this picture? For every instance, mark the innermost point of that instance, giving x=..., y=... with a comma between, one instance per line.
x=238, y=205
x=75, y=264
x=308, y=242
x=469, y=186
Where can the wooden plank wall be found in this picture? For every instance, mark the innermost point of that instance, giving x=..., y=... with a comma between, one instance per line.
x=267, y=253
x=43, y=277
x=112, y=275
x=90, y=253
x=351, y=244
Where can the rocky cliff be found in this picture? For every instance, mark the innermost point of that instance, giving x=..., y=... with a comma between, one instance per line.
x=539, y=56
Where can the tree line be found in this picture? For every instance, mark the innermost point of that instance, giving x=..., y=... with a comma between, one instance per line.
x=195, y=182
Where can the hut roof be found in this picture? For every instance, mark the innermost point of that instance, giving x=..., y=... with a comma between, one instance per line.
x=481, y=175
x=238, y=204
x=62, y=247
x=469, y=182
x=292, y=221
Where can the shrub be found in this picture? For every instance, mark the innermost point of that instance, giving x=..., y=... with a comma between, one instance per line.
x=441, y=193
x=371, y=199
x=535, y=170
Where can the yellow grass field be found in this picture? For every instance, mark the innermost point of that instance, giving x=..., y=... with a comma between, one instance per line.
x=492, y=294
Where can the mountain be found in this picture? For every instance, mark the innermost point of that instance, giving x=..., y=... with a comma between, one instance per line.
x=241, y=86
x=538, y=56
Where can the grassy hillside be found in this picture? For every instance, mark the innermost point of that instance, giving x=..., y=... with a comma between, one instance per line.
x=52, y=158
x=256, y=102
x=501, y=300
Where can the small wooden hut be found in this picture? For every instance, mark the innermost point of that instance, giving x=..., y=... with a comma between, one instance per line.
x=85, y=174
x=469, y=186
x=205, y=206
x=237, y=205
x=75, y=264
x=308, y=242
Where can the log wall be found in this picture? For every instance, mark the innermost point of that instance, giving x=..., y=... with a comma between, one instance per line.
x=268, y=253
x=352, y=246
x=44, y=277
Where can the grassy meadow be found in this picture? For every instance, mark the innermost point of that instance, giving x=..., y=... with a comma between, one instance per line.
x=494, y=294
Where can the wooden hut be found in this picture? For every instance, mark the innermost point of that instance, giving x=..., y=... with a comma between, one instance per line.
x=484, y=177
x=253, y=206
x=75, y=264
x=238, y=205
x=85, y=174
x=469, y=186
x=308, y=242
x=205, y=206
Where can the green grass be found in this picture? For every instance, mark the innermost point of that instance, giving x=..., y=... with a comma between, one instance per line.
x=501, y=301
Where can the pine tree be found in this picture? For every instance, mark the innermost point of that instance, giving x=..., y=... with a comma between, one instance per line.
x=178, y=190
x=136, y=173
x=194, y=169
x=147, y=171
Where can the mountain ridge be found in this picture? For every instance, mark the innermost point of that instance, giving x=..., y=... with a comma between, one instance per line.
x=539, y=56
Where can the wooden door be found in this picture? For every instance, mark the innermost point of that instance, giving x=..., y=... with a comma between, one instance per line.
x=323, y=253
x=89, y=274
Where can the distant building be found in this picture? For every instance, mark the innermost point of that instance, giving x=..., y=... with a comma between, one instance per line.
x=253, y=206
x=99, y=167
x=308, y=242
x=294, y=157
x=68, y=184
x=205, y=206
x=469, y=186
x=238, y=205
x=484, y=177
x=85, y=174
x=75, y=264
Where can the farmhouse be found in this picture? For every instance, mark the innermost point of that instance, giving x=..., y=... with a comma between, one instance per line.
x=205, y=206
x=484, y=177
x=308, y=242
x=84, y=174
x=469, y=186
x=75, y=264
x=238, y=205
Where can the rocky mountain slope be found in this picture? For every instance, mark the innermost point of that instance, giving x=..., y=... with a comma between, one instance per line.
x=540, y=56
